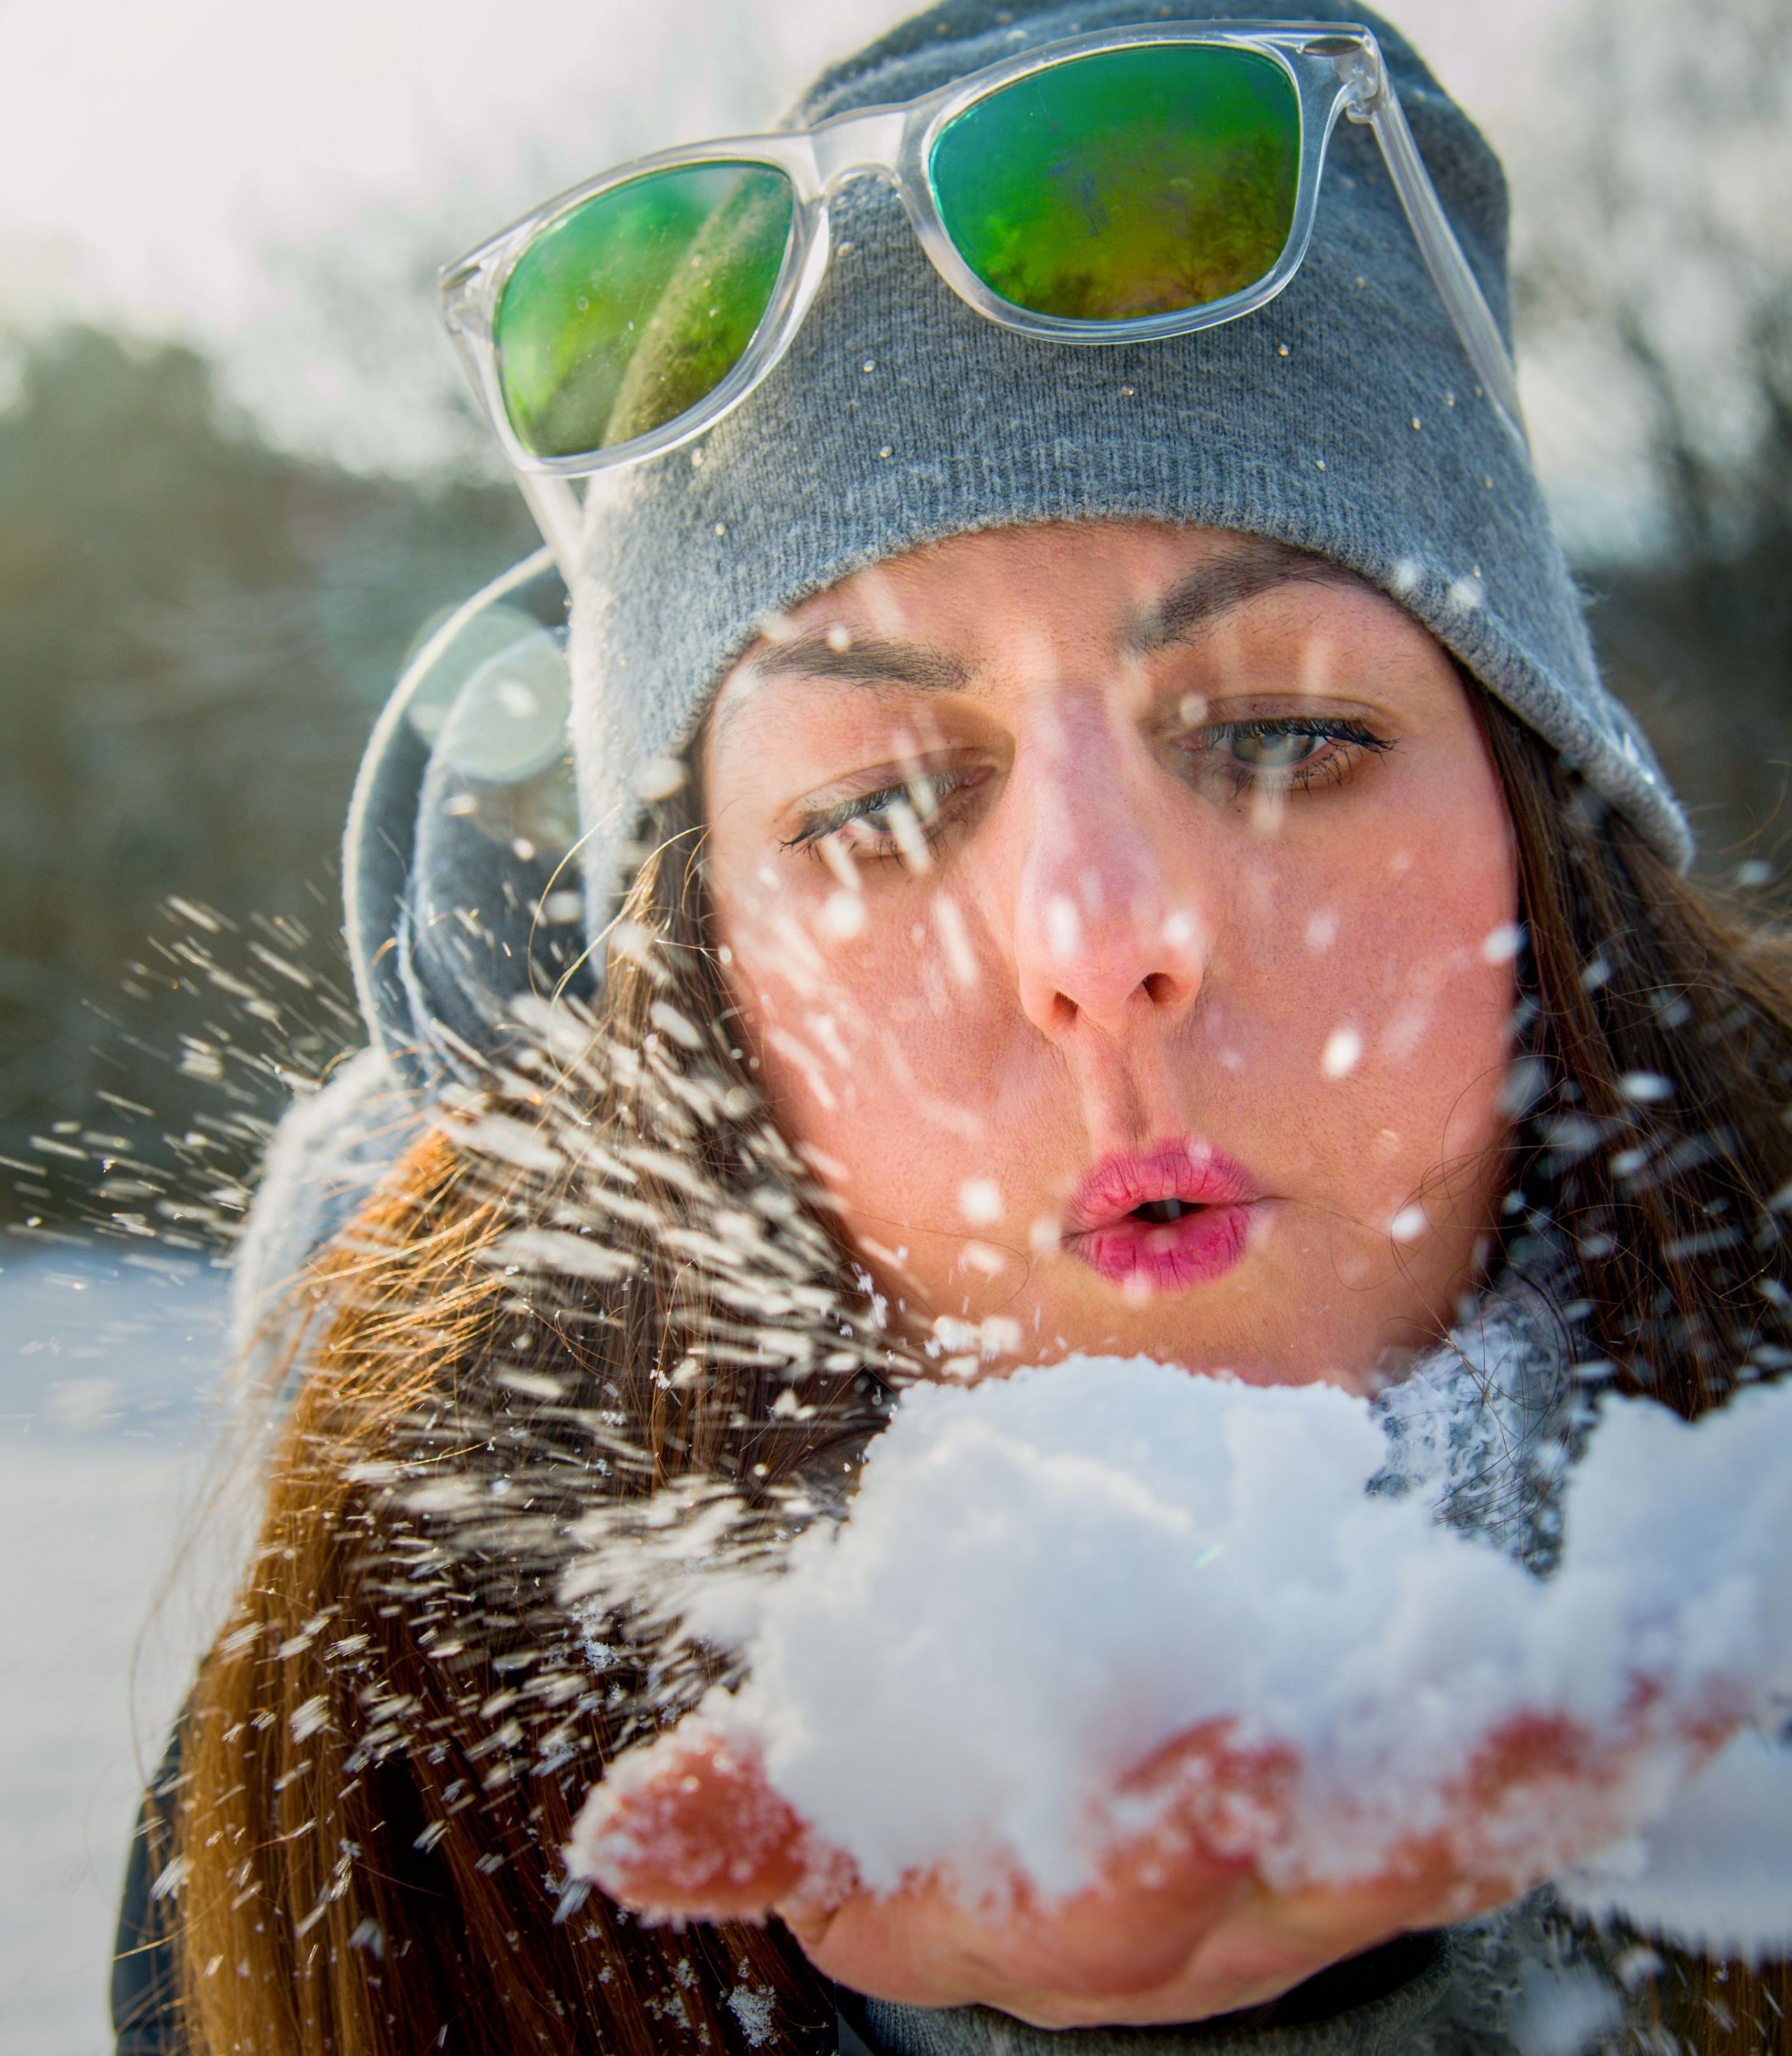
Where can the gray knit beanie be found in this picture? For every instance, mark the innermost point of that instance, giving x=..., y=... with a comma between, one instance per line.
x=1343, y=418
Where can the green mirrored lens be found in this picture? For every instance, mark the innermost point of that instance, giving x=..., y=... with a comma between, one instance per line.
x=1128, y=183
x=635, y=306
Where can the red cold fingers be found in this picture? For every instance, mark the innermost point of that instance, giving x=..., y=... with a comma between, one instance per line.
x=690, y=1827
x=1234, y=1801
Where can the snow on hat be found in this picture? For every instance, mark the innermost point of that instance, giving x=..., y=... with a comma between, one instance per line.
x=1343, y=418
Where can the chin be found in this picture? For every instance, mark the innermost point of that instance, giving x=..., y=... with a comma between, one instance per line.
x=1250, y=1338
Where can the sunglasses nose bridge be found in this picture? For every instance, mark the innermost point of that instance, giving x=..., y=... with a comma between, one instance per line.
x=853, y=146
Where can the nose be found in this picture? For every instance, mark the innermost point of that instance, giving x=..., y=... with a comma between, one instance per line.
x=1110, y=929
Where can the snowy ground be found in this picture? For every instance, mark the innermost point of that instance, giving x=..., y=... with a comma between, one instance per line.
x=105, y=1367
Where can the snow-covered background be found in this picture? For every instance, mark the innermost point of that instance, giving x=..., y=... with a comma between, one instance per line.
x=105, y=1369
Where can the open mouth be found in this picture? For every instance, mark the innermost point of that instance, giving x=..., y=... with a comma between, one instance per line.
x=1175, y=1215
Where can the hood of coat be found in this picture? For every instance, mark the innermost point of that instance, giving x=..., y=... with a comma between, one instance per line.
x=461, y=884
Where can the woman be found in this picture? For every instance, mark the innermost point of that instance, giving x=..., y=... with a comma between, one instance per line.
x=1125, y=851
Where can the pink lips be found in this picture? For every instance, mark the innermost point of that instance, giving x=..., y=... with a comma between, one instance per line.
x=1104, y=1228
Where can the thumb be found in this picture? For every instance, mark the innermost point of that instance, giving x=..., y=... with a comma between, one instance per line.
x=689, y=1826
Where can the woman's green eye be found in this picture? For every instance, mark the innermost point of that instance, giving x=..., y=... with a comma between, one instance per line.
x=887, y=814
x=882, y=813
x=895, y=821
x=1278, y=750
x=1296, y=750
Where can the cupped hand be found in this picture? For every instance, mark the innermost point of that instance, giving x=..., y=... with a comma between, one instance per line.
x=1177, y=1925
x=1180, y=1921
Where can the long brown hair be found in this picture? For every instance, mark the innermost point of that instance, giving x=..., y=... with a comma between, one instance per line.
x=386, y=1744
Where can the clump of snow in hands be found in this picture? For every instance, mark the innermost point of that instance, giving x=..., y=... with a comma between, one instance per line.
x=1046, y=1579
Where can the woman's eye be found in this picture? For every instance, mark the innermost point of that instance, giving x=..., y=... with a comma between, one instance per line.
x=903, y=820
x=1280, y=752
x=1295, y=751
x=888, y=813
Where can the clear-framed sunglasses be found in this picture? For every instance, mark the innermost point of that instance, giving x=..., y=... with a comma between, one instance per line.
x=1113, y=187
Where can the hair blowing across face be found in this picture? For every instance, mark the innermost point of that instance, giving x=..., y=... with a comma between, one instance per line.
x=385, y=1746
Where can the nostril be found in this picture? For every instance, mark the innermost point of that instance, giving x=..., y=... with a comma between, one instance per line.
x=1161, y=988
x=1063, y=1014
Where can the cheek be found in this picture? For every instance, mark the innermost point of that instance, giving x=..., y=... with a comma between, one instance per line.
x=860, y=1021
x=1398, y=986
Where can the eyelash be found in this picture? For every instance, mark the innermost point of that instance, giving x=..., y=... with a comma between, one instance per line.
x=1333, y=768
x=944, y=787
x=941, y=788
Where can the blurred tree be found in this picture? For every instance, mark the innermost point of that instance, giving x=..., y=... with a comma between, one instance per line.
x=1662, y=265
x=195, y=631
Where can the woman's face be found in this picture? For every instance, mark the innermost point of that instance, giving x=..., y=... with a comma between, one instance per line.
x=1122, y=920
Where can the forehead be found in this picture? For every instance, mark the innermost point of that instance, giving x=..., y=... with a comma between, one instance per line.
x=1008, y=625
x=1128, y=564
x=934, y=618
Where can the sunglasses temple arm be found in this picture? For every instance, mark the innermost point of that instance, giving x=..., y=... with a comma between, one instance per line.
x=558, y=514
x=1457, y=285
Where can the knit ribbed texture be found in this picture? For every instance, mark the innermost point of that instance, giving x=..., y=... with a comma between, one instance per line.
x=1343, y=418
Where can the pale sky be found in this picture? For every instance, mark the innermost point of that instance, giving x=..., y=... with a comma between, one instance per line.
x=276, y=179
x=150, y=149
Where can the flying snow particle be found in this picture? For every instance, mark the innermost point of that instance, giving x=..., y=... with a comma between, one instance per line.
x=840, y=860
x=1322, y=929
x=905, y=825
x=960, y=959
x=1408, y=1225
x=753, y=2008
x=675, y=1025
x=1063, y=926
x=1344, y=1049
x=1502, y=943
x=1643, y=1086
x=1564, y=2012
x=843, y=915
x=979, y=1201
x=660, y=778
x=310, y=1719
x=1527, y=1080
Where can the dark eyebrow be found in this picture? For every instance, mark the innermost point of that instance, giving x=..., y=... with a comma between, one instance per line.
x=866, y=660
x=1227, y=581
